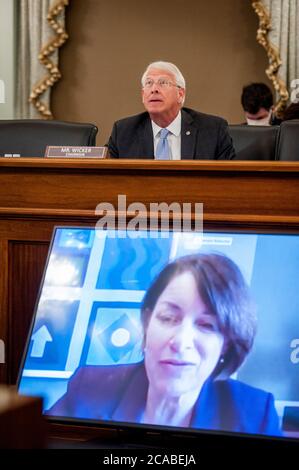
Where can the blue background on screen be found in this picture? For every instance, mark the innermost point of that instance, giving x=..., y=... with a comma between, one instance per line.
x=275, y=288
x=51, y=336
x=132, y=263
x=115, y=335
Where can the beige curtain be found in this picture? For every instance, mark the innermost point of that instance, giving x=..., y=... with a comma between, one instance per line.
x=40, y=34
x=279, y=33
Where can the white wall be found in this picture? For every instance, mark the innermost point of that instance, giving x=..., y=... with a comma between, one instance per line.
x=7, y=59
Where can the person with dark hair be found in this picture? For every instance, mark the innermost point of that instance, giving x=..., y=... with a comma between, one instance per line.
x=257, y=103
x=167, y=130
x=199, y=324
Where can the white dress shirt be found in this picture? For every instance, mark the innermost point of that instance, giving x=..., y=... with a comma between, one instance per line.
x=174, y=137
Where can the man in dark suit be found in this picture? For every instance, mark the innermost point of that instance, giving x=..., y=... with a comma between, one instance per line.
x=167, y=131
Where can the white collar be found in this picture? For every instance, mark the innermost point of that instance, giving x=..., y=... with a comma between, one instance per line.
x=174, y=127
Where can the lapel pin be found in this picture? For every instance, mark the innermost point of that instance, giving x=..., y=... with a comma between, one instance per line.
x=188, y=133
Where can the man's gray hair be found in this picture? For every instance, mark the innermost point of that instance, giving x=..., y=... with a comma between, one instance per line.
x=168, y=67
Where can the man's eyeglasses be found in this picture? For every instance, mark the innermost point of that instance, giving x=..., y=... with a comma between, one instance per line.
x=162, y=82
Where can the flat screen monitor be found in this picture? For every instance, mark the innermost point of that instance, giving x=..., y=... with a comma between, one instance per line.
x=175, y=331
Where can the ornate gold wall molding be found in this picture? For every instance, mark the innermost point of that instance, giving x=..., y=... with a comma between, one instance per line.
x=44, y=57
x=272, y=53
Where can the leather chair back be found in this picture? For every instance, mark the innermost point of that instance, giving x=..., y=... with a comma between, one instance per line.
x=254, y=142
x=30, y=137
x=288, y=141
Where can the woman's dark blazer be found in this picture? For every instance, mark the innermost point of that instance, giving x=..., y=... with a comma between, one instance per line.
x=118, y=393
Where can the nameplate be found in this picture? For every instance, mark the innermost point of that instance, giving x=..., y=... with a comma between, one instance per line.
x=75, y=152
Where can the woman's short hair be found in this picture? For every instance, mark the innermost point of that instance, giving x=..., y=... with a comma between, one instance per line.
x=168, y=67
x=223, y=289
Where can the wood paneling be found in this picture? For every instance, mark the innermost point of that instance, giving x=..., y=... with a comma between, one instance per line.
x=224, y=187
x=26, y=265
x=3, y=307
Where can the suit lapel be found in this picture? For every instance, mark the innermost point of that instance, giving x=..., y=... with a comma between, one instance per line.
x=132, y=402
x=206, y=409
x=188, y=137
x=146, y=139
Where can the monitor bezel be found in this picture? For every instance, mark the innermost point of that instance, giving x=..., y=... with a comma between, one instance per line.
x=148, y=432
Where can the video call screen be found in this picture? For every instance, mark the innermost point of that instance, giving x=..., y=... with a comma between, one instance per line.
x=87, y=324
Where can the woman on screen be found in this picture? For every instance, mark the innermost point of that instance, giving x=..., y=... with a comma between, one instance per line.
x=199, y=325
